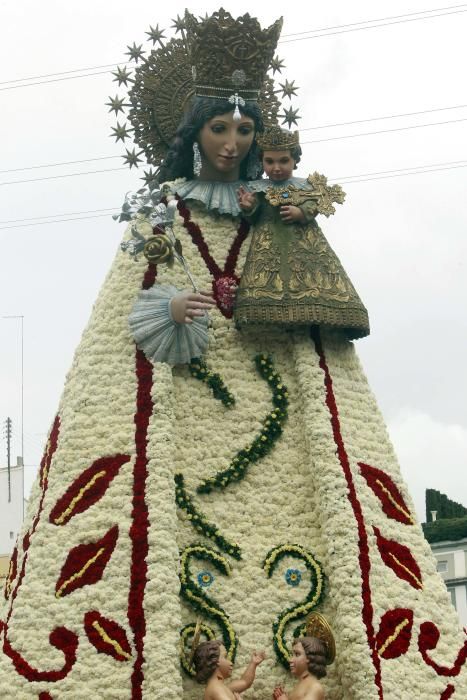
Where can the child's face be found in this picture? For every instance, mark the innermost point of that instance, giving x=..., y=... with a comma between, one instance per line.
x=278, y=165
x=299, y=661
x=225, y=665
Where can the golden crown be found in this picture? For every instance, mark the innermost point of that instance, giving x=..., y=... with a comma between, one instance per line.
x=274, y=138
x=230, y=56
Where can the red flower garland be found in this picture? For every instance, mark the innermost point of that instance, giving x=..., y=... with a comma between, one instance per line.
x=225, y=280
x=61, y=638
x=140, y=520
x=364, y=552
x=448, y=693
x=428, y=640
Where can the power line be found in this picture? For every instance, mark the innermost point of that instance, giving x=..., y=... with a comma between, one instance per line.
x=64, y=72
x=66, y=162
x=52, y=216
x=383, y=131
x=373, y=26
x=304, y=143
x=57, y=177
x=57, y=221
x=54, y=80
x=398, y=170
x=380, y=19
x=307, y=128
x=417, y=172
x=374, y=119
x=344, y=179
x=343, y=28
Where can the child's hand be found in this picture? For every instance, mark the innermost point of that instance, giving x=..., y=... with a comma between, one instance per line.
x=258, y=657
x=279, y=693
x=246, y=200
x=290, y=214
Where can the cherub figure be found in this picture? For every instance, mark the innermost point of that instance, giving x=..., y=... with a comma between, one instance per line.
x=308, y=665
x=213, y=667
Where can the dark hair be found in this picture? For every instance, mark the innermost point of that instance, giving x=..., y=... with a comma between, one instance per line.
x=315, y=651
x=295, y=153
x=179, y=159
x=206, y=659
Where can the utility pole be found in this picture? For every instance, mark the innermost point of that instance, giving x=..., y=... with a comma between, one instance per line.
x=8, y=454
x=21, y=319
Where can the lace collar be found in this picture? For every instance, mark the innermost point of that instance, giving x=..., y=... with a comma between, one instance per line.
x=221, y=196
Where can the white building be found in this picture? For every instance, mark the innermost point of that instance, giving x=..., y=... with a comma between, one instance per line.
x=451, y=558
x=11, y=511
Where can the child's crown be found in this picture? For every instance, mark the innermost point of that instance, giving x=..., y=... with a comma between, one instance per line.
x=273, y=138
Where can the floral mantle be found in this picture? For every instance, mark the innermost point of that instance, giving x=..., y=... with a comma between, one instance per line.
x=97, y=598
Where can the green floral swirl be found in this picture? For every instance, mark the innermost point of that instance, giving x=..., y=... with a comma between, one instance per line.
x=313, y=598
x=200, y=601
x=268, y=436
x=186, y=641
x=199, y=520
x=199, y=370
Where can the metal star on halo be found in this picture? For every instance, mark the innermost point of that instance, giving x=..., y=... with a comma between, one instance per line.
x=178, y=24
x=156, y=34
x=135, y=52
x=289, y=89
x=290, y=116
x=149, y=177
x=276, y=64
x=132, y=158
x=116, y=104
x=122, y=75
x=120, y=132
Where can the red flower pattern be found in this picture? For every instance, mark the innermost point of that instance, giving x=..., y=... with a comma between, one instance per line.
x=85, y=564
x=87, y=489
x=107, y=636
x=389, y=495
x=395, y=633
x=428, y=640
x=399, y=558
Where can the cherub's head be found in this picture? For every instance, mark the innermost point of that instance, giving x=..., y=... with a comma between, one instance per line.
x=279, y=152
x=210, y=658
x=309, y=654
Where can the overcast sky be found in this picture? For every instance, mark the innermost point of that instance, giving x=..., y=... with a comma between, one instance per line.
x=402, y=239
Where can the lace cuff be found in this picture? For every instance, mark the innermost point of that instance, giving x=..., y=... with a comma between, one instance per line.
x=160, y=337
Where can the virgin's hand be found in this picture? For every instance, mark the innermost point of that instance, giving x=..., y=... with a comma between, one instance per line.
x=185, y=306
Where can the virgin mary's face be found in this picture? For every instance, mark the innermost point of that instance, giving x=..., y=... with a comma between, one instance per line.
x=224, y=143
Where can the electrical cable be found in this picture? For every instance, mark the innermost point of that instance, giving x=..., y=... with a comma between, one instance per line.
x=307, y=128
x=304, y=143
x=57, y=221
x=373, y=26
x=379, y=19
x=57, y=177
x=344, y=28
x=54, y=165
x=374, y=119
x=53, y=216
x=383, y=131
x=345, y=179
x=413, y=168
